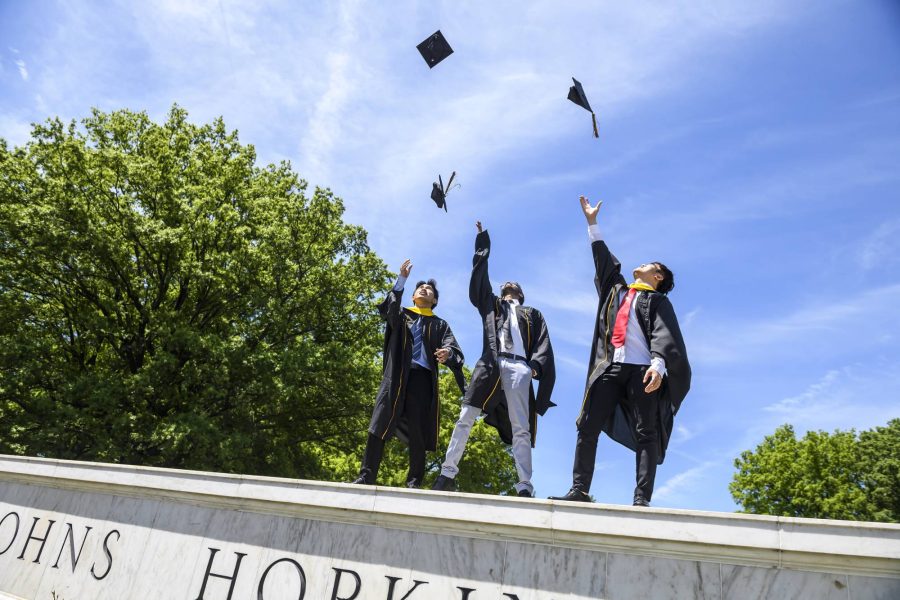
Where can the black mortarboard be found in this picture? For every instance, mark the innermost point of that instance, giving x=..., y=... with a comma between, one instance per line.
x=439, y=192
x=435, y=49
x=576, y=95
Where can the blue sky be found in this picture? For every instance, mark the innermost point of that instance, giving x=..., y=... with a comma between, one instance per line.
x=751, y=146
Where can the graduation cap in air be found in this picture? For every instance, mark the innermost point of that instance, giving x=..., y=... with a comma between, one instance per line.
x=439, y=192
x=576, y=95
x=435, y=49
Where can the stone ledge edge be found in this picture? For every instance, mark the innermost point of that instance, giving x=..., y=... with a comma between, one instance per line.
x=674, y=547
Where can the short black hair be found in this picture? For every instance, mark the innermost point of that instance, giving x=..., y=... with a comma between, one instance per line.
x=514, y=287
x=668, y=281
x=433, y=285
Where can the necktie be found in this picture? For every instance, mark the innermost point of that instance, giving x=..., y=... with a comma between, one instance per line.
x=618, y=338
x=417, y=338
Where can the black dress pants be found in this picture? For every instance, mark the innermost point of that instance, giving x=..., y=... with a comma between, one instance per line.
x=418, y=399
x=621, y=384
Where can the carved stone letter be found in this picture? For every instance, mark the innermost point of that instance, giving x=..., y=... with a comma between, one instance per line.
x=337, y=583
x=393, y=584
x=42, y=540
x=262, y=580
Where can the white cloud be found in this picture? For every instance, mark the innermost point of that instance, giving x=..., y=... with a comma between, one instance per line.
x=676, y=485
x=23, y=71
x=826, y=326
x=853, y=396
x=682, y=434
x=882, y=247
x=16, y=132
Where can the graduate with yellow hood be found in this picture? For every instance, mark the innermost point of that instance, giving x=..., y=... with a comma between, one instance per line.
x=416, y=342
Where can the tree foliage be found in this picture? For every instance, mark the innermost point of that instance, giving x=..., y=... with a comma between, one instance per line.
x=163, y=301
x=166, y=302
x=831, y=476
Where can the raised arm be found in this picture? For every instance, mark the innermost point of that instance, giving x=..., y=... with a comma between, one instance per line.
x=389, y=309
x=480, y=293
x=607, y=268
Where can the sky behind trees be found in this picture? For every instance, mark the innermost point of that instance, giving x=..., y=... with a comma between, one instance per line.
x=751, y=146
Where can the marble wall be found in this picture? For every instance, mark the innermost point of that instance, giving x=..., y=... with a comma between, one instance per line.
x=67, y=535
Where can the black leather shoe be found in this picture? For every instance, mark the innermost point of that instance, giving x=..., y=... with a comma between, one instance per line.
x=413, y=484
x=360, y=481
x=444, y=484
x=573, y=495
x=639, y=501
x=525, y=494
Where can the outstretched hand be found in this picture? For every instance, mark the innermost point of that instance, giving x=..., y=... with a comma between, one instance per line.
x=405, y=268
x=655, y=380
x=478, y=225
x=590, y=212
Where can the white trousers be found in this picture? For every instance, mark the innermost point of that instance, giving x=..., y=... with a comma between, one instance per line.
x=515, y=377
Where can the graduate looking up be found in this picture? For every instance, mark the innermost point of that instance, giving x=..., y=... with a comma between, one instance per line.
x=638, y=374
x=516, y=349
x=416, y=341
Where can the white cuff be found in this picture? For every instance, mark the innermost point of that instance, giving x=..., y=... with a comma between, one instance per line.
x=594, y=233
x=659, y=365
x=401, y=282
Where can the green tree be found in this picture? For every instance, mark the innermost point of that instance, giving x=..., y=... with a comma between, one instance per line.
x=880, y=449
x=487, y=466
x=166, y=302
x=163, y=301
x=822, y=475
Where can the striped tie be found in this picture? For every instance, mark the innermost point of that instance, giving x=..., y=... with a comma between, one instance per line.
x=417, y=338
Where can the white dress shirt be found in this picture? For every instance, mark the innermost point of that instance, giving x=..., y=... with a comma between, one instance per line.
x=515, y=345
x=635, y=350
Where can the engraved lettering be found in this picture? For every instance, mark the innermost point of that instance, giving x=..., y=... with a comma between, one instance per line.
x=42, y=540
x=337, y=583
x=209, y=573
x=15, y=533
x=70, y=536
x=465, y=592
x=393, y=584
x=108, y=553
x=262, y=581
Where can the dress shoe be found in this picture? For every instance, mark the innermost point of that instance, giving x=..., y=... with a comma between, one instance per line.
x=444, y=484
x=360, y=481
x=525, y=494
x=640, y=501
x=413, y=484
x=573, y=495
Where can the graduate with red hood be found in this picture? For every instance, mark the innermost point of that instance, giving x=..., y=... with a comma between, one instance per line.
x=639, y=372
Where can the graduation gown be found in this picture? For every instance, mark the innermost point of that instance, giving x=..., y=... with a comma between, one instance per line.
x=660, y=327
x=396, y=362
x=485, y=390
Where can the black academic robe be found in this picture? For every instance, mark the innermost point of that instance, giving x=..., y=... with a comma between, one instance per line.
x=660, y=327
x=396, y=362
x=485, y=390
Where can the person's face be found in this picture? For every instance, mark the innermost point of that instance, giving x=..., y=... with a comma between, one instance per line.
x=423, y=297
x=511, y=291
x=648, y=272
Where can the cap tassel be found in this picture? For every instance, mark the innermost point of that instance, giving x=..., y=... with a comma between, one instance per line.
x=594, y=119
